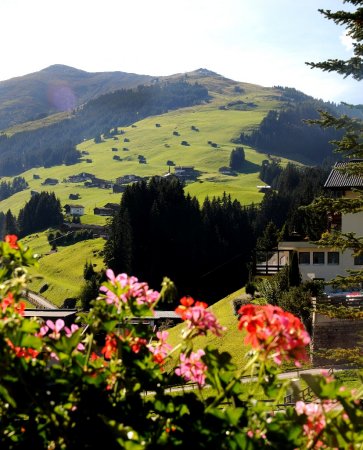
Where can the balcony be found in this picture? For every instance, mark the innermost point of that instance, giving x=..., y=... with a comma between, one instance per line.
x=270, y=262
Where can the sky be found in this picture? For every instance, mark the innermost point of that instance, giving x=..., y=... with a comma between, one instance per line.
x=265, y=42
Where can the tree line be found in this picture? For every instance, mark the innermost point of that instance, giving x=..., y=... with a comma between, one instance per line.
x=207, y=250
x=159, y=231
x=42, y=211
x=292, y=188
x=9, y=188
x=286, y=133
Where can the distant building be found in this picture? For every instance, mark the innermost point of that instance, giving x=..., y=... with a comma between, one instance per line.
x=126, y=179
x=103, y=211
x=159, y=318
x=99, y=183
x=68, y=315
x=74, y=196
x=74, y=210
x=264, y=188
x=50, y=182
x=326, y=263
x=114, y=206
x=81, y=177
x=110, y=209
x=185, y=172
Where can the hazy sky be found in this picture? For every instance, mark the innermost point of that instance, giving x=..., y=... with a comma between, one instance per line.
x=266, y=42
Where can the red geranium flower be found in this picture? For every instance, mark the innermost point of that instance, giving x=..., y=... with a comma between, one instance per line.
x=11, y=239
x=110, y=346
x=274, y=332
x=7, y=301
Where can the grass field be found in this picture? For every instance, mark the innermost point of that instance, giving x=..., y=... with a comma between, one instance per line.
x=62, y=271
x=158, y=144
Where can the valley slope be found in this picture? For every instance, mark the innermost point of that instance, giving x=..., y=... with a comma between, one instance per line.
x=208, y=130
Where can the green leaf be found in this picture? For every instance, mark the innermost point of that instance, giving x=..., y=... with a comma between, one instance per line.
x=31, y=341
x=110, y=325
x=313, y=381
x=29, y=326
x=234, y=415
x=4, y=393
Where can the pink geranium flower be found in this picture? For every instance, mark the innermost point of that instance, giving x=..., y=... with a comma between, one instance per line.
x=161, y=349
x=132, y=289
x=55, y=327
x=315, y=417
x=71, y=330
x=198, y=317
x=192, y=368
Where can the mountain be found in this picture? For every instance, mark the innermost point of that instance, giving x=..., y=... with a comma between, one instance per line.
x=191, y=121
x=57, y=88
x=269, y=120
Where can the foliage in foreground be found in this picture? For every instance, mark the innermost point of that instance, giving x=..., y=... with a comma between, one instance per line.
x=103, y=383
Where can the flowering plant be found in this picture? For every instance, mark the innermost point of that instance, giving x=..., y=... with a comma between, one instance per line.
x=104, y=382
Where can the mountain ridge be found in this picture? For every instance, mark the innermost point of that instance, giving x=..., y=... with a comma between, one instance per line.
x=59, y=88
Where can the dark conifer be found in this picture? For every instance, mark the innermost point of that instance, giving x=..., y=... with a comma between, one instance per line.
x=10, y=225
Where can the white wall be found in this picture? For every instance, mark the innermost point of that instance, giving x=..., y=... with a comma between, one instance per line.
x=325, y=271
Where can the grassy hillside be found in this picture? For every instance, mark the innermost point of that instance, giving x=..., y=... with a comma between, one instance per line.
x=232, y=339
x=155, y=138
x=158, y=144
x=62, y=271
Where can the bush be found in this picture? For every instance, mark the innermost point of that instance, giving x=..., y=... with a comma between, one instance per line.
x=237, y=159
x=250, y=288
x=103, y=383
x=43, y=288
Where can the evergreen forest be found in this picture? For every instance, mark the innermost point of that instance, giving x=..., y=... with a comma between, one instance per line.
x=207, y=250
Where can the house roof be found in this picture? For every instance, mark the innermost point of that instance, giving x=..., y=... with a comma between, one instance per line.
x=159, y=315
x=49, y=313
x=166, y=315
x=337, y=179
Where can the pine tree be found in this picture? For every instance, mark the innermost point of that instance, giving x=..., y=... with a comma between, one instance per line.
x=269, y=239
x=351, y=145
x=40, y=212
x=293, y=271
x=237, y=159
x=10, y=225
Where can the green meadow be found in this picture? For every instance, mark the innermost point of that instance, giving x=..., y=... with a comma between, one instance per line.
x=159, y=139
x=61, y=273
x=158, y=144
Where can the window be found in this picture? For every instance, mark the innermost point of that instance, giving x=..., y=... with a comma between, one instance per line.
x=318, y=258
x=304, y=257
x=333, y=257
x=358, y=260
